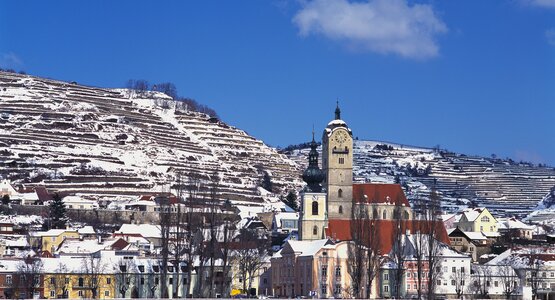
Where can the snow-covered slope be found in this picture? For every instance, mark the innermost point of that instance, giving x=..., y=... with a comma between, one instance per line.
x=503, y=186
x=109, y=143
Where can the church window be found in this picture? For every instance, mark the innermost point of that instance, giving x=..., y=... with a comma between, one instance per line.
x=384, y=214
x=340, y=193
x=315, y=230
x=375, y=214
x=314, y=208
x=340, y=209
x=406, y=215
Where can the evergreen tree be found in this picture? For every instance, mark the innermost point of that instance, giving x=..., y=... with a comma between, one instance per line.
x=6, y=199
x=291, y=200
x=58, y=215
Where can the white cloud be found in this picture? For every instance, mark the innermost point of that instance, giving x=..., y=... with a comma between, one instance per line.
x=542, y=3
x=10, y=60
x=550, y=36
x=383, y=26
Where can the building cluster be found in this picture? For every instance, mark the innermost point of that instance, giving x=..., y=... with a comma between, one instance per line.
x=348, y=240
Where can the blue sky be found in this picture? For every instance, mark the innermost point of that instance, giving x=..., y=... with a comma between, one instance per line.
x=475, y=77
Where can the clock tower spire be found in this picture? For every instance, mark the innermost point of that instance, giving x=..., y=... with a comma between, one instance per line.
x=337, y=164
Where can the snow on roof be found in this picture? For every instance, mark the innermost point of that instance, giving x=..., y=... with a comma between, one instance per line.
x=77, y=199
x=513, y=223
x=76, y=246
x=21, y=219
x=51, y=232
x=86, y=230
x=144, y=230
x=491, y=234
x=337, y=123
x=285, y=216
x=14, y=240
x=307, y=248
x=472, y=213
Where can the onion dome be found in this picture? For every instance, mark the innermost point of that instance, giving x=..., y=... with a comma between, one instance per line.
x=313, y=176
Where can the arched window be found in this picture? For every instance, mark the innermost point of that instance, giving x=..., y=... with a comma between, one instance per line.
x=375, y=214
x=384, y=214
x=314, y=208
x=340, y=209
x=406, y=215
x=315, y=230
x=340, y=193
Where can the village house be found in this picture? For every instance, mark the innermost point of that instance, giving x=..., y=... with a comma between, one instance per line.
x=474, y=244
x=50, y=240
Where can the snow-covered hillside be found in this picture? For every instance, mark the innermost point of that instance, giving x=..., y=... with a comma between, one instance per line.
x=110, y=143
x=503, y=186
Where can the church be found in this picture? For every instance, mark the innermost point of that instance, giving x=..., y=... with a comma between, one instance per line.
x=327, y=200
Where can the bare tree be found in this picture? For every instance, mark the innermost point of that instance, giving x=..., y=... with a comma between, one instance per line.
x=482, y=280
x=399, y=247
x=178, y=243
x=213, y=227
x=373, y=249
x=250, y=255
x=28, y=277
x=59, y=281
x=228, y=229
x=93, y=269
x=508, y=278
x=192, y=223
x=356, y=249
x=165, y=223
x=419, y=242
x=432, y=226
x=459, y=280
x=124, y=276
x=535, y=267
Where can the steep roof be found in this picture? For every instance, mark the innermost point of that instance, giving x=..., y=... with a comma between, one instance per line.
x=341, y=230
x=379, y=193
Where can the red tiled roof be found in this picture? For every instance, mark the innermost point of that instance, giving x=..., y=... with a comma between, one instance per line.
x=341, y=230
x=378, y=193
x=119, y=244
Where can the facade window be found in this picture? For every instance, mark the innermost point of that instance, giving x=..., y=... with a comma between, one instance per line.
x=462, y=269
x=106, y=293
x=52, y=280
x=81, y=282
x=485, y=219
x=340, y=209
x=481, y=228
x=52, y=294
x=337, y=289
x=338, y=271
x=544, y=275
x=406, y=215
x=384, y=215
x=340, y=193
x=341, y=160
x=156, y=280
x=386, y=288
x=67, y=280
x=8, y=279
x=143, y=280
x=80, y=293
x=324, y=288
x=315, y=230
x=438, y=282
x=454, y=269
x=324, y=271
x=314, y=208
x=408, y=275
x=386, y=276
x=495, y=283
x=108, y=280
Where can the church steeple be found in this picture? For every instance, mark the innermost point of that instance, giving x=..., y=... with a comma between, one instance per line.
x=313, y=176
x=337, y=112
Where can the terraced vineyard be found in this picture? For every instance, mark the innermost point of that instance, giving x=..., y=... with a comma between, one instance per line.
x=110, y=144
x=506, y=187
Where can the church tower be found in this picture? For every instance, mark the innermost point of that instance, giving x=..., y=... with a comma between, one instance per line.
x=337, y=164
x=313, y=200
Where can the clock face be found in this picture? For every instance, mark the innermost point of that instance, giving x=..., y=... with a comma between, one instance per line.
x=341, y=137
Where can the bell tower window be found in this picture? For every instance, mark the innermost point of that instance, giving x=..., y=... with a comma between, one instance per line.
x=314, y=208
x=340, y=193
x=341, y=209
x=384, y=215
x=315, y=230
x=341, y=160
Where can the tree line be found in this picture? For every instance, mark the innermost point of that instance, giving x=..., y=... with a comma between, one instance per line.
x=141, y=87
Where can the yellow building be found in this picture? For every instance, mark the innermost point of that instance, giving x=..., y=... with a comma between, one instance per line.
x=50, y=240
x=76, y=277
x=478, y=220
